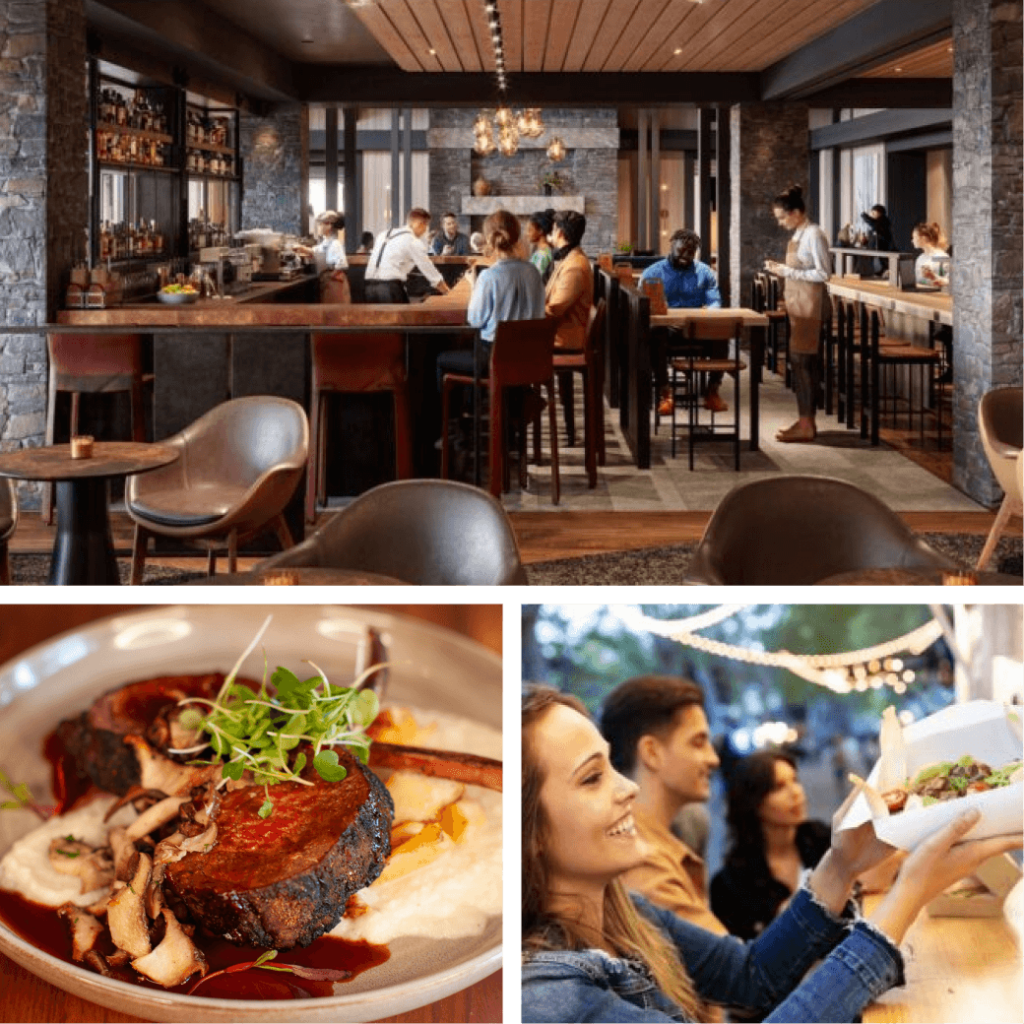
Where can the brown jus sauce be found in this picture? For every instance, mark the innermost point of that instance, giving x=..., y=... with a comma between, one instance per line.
x=46, y=930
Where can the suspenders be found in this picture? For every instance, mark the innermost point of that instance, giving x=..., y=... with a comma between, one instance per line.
x=387, y=238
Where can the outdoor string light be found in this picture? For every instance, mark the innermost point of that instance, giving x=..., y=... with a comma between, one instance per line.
x=860, y=670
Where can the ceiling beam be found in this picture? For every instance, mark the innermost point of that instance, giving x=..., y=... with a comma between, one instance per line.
x=881, y=125
x=886, y=30
x=382, y=87
x=190, y=36
x=904, y=93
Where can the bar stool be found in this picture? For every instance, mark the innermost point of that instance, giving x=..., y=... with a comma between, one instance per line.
x=355, y=364
x=590, y=365
x=93, y=364
x=521, y=356
x=692, y=367
x=8, y=524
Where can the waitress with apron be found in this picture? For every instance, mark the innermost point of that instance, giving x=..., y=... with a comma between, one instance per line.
x=806, y=273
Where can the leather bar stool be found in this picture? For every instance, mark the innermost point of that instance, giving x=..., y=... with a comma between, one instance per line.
x=93, y=364
x=1000, y=417
x=8, y=524
x=355, y=364
x=521, y=356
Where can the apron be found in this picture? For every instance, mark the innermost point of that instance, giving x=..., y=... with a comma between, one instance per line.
x=805, y=301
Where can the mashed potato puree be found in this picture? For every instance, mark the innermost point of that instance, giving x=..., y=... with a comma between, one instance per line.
x=450, y=895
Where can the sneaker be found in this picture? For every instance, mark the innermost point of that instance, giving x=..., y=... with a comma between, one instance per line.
x=715, y=403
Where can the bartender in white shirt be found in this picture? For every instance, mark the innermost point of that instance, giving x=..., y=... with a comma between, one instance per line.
x=395, y=253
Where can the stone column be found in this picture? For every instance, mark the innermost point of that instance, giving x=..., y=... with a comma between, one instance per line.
x=769, y=151
x=44, y=194
x=275, y=161
x=987, y=223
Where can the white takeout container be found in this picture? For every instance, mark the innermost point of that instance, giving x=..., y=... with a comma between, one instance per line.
x=989, y=732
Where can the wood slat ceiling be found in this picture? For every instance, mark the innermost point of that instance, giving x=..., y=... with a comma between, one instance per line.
x=601, y=35
x=934, y=61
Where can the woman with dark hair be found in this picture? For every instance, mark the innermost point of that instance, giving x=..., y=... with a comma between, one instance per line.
x=538, y=227
x=805, y=272
x=570, y=289
x=330, y=227
x=771, y=843
x=592, y=952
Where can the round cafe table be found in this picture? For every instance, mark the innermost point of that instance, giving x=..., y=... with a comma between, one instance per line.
x=83, y=549
x=300, y=576
x=913, y=577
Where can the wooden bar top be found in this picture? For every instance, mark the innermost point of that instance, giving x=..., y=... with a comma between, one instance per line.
x=958, y=968
x=937, y=306
x=255, y=309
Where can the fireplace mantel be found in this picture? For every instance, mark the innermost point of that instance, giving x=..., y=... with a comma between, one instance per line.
x=483, y=205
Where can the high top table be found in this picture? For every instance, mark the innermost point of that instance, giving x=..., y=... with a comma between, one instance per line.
x=83, y=550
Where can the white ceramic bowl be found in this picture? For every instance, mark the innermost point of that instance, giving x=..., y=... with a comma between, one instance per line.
x=433, y=668
x=177, y=298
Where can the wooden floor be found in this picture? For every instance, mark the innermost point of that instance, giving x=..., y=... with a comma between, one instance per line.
x=543, y=536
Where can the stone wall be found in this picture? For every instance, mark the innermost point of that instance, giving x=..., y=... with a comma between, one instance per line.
x=987, y=221
x=768, y=151
x=590, y=168
x=274, y=163
x=44, y=196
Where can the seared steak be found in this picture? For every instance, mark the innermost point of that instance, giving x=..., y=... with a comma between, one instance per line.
x=95, y=739
x=284, y=880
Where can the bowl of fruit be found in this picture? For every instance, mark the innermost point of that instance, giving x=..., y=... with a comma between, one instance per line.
x=177, y=294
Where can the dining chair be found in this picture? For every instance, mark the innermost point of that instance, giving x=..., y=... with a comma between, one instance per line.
x=690, y=369
x=239, y=466
x=795, y=530
x=355, y=363
x=521, y=357
x=429, y=532
x=1000, y=415
x=8, y=524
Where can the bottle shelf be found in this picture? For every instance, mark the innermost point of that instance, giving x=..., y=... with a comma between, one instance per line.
x=139, y=133
x=126, y=165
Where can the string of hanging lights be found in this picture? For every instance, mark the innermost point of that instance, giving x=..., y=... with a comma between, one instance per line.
x=842, y=672
x=503, y=130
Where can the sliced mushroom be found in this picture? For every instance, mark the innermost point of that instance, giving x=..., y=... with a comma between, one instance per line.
x=70, y=857
x=97, y=962
x=174, y=960
x=175, y=846
x=85, y=929
x=125, y=854
x=154, y=898
x=159, y=772
x=159, y=814
x=126, y=912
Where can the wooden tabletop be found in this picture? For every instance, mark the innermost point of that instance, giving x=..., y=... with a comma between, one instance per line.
x=108, y=459
x=678, y=317
x=913, y=577
x=29, y=999
x=958, y=969
x=301, y=576
x=937, y=306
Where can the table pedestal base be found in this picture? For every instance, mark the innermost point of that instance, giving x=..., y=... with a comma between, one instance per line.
x=83, y=551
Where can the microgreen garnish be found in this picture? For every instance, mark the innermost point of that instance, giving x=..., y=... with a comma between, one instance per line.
x=258, y=732
x=309, y=973
x=22, y=798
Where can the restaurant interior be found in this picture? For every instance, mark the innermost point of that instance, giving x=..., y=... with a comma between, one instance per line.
x=189, y=394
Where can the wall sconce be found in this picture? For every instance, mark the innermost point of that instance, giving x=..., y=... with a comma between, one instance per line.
x=556, y=149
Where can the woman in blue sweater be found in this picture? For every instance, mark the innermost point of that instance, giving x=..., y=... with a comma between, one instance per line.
x=591, y=952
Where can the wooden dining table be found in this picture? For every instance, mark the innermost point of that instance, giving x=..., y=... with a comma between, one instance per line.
x=27, y=998
x=958, y=968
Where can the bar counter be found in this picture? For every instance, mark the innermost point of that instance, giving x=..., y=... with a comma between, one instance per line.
x=937, y=306
x=958, y=968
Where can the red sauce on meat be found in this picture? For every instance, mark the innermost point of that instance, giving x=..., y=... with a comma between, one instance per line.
x=43, y=928
x=68, y=786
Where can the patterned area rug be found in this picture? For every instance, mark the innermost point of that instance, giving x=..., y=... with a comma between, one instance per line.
x=666, y=566
x=34, y=570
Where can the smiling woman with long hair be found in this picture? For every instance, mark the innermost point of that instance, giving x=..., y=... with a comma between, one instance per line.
x=593, y=952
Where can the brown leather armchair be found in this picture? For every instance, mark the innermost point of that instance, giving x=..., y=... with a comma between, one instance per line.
x=240, y=464
x=8, y=524
x=792, y=530
x=438, y=532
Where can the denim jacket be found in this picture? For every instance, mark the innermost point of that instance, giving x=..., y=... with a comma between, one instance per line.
x=761, y=977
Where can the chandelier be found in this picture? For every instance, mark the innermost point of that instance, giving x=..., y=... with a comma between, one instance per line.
x=503, y=130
